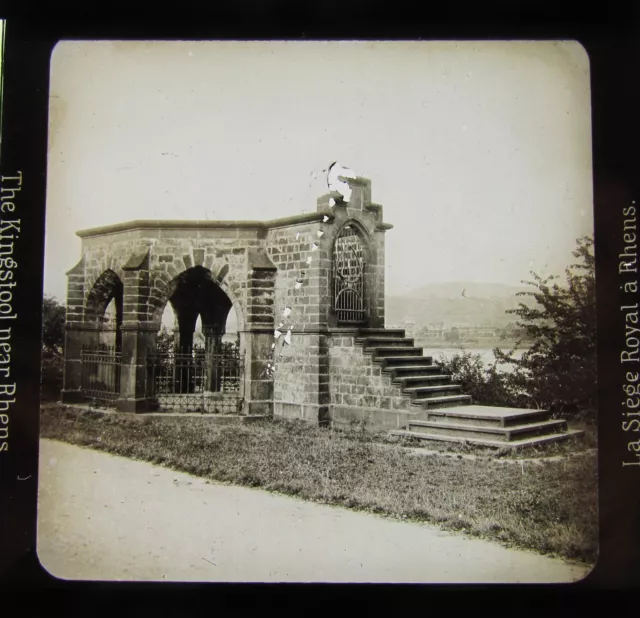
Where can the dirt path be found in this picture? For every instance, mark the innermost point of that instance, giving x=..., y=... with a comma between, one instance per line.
x=102, y=517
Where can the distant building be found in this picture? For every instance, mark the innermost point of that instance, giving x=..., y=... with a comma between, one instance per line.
x=477, y=331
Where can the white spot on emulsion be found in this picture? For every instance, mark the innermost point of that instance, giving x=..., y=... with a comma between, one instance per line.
x=337, y=180
x=325, y=219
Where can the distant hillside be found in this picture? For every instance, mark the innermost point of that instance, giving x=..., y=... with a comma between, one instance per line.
x=471, y=289
x=483, y=304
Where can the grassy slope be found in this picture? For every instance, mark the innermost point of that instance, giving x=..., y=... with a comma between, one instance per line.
x=550, y=508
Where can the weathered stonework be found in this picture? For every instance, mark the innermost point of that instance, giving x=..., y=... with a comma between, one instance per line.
x=361, y=392
x=254, y=265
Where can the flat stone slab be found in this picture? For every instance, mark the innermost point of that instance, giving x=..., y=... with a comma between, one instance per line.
x=535, y=441
x=486, y=412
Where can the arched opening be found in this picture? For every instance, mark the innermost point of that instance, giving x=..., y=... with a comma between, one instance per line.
x=197, y=360
x=349, y=276
x=104, y=307
x=100, y=359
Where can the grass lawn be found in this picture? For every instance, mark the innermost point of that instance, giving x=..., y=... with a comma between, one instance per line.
x=549, y=506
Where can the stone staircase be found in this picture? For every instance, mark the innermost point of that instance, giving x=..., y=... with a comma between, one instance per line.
x=414, y=373
x=449, y=414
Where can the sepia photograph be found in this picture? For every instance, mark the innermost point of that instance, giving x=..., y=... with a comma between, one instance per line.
x=319, y=312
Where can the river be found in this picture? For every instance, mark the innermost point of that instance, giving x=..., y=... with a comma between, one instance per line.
x=486, y=354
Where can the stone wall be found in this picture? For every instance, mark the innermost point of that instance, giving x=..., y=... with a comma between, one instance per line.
x=360, y=391
x=262, y=267
x=302, y=387
x=172, y=251
x=300, y=380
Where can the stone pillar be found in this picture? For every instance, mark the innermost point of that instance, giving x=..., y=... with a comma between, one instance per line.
x=138, y=335
x=258, y=334
x=138, y=341
x=76, y=335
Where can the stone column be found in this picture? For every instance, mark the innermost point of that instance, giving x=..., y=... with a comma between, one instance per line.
x=258, y=335
x=138, y=335
x=138, y=341
x=77, y=335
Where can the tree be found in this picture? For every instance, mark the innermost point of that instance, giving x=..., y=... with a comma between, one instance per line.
x=165, y=341
x=53, y=321
x=559, y=371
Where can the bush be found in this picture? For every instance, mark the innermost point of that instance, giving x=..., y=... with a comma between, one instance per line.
x=52, y=366
x=52, y=375
x=559, y=371
x=487, y=385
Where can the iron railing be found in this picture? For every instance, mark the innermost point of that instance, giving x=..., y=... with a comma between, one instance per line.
x=196, y=381
x=100, y=382
x=349, y=277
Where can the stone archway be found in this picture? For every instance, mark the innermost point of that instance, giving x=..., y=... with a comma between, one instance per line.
x=108, y=290
x=197, y=294
x=189, y=377
x=276, y=274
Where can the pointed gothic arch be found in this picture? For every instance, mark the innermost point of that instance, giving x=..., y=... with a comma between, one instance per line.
x=350, y=259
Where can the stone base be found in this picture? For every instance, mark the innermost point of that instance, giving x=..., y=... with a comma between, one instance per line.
x=304, y=411
x=135, y=405
x=373, y=419
x=258, y=408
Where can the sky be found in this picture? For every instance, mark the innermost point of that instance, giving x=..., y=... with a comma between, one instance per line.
x=479, y=152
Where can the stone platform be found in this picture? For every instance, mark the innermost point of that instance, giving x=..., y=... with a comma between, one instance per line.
x=489, y=426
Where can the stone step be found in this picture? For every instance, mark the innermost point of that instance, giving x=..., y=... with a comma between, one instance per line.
x=394, y=358
x=489, y=416
x=502, y=434
x=427, y=372
x=381, y=332
x=403, y=362
x=376, y=342
x=441, y=402
x=380, y=353
x=397, y=350
x=421, y=378
x=535, y=441
x=429, y=392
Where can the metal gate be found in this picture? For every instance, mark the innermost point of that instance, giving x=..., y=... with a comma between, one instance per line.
x=348, y=277
x=196, y=381
x=100, y=374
